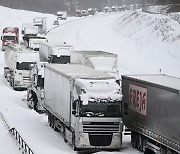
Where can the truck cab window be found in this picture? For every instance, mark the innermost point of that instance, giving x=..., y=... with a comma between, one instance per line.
x=9, y=38
x=101, y=109
x=23, y=66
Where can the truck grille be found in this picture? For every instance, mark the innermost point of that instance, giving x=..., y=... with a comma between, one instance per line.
x=100, y=139
x=100, y=127
x=26, y=79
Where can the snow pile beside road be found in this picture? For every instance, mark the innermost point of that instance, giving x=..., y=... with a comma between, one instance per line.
x=144, y=27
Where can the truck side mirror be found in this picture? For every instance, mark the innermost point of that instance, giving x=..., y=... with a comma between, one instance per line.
x=1, y=38
x=125, y=106
x=125, y=113
x=74, y=112
x=74, y=105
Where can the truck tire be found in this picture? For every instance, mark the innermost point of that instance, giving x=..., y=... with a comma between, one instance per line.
x=64, y=134
x=140, y=143
x=54, y=124
x=134, y=139
x=148, y=151
x=73, y=143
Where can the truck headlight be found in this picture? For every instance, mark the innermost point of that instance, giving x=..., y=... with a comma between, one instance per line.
x=81, y=138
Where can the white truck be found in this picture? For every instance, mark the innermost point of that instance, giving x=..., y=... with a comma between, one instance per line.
x=99, y=60
x=36, y=86
x=55, y=53
x=18, y=59
x=33, y=41
x=62, y=15
x=84, y=104
x=29, y=29
x=51, y=53
x=41, y=23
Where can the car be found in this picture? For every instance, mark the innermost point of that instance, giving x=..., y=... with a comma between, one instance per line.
x=56, y=22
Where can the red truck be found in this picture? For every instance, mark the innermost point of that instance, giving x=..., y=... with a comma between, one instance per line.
x=9, y=35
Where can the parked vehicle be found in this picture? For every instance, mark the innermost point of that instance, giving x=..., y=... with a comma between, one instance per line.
x=56, y=22
x=36, y=87
x=91, y=11
x=9, y=35
x=41, y=23
x=29, y=30
x=99, y=60
x=18, y=59
x=51, y=53
x=78, y=13
x=152, y=104
x=55, y=53
x=61, y=15
x=84, y=104
x=33, y=41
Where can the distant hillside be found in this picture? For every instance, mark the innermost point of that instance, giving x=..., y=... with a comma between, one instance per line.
x=52, y=6
x=44, y=6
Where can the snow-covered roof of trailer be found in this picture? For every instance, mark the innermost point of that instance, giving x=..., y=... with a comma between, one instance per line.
x=53, y=44
x=75, y=70
x=95, y=53
x=159, y=79
x=20, y=47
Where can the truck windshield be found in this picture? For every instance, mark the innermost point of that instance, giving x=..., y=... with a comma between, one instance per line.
x=101, y=109
x=9, y=38
x=61, y=59
x=23, y=65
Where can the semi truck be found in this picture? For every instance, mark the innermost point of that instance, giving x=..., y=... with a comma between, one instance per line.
x=61, y=15
x=85, y=105
x=151, y=105
x=9, y=35
x=33, y=41
x=48, y=52
x=37, y=87
x=18, y=59
x=99, y=60
x=55, y=53
x=41, y=23
x=29, y=30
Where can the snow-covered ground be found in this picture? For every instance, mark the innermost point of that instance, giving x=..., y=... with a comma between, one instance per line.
x=144, y=43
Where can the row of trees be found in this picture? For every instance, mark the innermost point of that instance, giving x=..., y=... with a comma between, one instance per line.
x=52, y=6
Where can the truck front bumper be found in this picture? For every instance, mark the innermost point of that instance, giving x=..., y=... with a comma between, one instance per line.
x=99, y=141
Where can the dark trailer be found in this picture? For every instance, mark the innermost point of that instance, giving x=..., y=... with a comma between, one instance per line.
x=152, y=107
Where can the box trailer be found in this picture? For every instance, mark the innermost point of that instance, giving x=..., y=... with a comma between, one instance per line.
x=33, y=41
x=55, y=53
x=99, y=60
x=152, y=104
x=84, y=104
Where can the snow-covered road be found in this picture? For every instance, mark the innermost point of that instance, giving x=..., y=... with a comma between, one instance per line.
x=140, y=48
x=33, y=127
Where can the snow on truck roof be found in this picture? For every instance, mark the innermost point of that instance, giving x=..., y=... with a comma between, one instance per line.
x=19, y=47
x=159, y=79
x=80, y=71
x=96, y=53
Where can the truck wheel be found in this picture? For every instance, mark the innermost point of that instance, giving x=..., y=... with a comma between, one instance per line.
x=148, y=151
x=73, y=143
x=54, y=124
x=140, y=142
x=64, y=134
x=134, y=139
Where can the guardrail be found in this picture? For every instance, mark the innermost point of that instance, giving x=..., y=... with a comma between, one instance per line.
x=22, y=144
x=25, y=148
